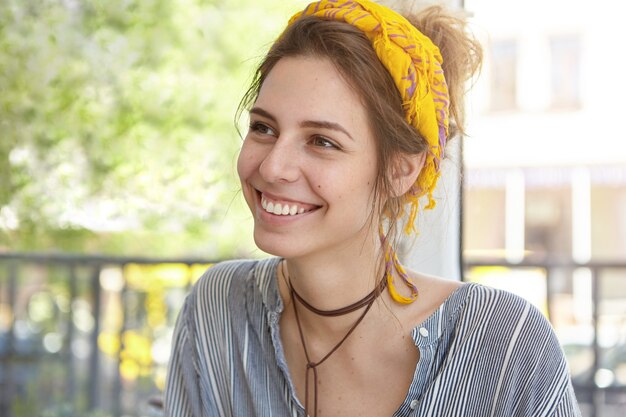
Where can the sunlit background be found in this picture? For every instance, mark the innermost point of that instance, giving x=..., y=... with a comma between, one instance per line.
x=545, y=178
x=118, y=187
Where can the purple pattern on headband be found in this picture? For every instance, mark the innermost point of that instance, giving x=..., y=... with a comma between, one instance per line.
x=359, y=18
x=442, y=144
x=331, y=13
x=411, y=77
x=346, y=4
x=397, y=35
x=375, y=28
x=441, y=114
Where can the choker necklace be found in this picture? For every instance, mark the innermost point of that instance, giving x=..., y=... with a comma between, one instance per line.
x=366, y=301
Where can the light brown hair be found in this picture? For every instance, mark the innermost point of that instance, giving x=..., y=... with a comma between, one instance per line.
x=354, y=57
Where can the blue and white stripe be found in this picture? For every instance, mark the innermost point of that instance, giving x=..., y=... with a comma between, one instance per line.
x=484, y=352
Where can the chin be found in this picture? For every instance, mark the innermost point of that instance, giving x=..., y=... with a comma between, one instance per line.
x=277, y=245
x=271, y=245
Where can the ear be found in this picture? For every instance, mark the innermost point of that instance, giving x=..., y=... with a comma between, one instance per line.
x=405, y=171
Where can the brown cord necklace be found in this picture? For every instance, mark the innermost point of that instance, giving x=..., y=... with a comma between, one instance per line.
x=366, y=301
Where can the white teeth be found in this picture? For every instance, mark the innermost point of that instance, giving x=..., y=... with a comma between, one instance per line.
x=281, y=209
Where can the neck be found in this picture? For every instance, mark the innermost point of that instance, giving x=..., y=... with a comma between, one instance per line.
x=331, y=283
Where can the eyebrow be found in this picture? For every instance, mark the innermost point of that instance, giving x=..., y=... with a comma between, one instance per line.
x=263, y=113
x=323, y=124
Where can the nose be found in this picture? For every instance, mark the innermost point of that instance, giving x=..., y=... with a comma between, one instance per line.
x=281, y=163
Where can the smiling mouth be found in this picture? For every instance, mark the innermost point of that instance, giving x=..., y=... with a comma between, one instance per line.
x=285, y=208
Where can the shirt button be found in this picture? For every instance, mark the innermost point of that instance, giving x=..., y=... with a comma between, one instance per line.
x=414, y=402
x=424, y=331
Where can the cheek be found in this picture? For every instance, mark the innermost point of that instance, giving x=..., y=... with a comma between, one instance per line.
x=245, y=162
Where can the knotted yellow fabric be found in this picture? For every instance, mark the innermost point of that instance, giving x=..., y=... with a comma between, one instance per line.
x=415, y=64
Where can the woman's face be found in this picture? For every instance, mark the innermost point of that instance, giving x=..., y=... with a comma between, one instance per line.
x=308, y=163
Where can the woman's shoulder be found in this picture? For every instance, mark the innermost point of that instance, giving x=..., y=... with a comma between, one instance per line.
x=469, y=305
x=226, y=273
x=233, y=278
x=498, y=345
x=508, y=333
x=500, y=317
x=480, y=312
x=485, y=300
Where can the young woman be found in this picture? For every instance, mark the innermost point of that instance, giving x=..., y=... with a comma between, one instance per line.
x=349, y=115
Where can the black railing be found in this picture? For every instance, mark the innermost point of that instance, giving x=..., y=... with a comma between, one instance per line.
x=73, y=343
x=89, y=335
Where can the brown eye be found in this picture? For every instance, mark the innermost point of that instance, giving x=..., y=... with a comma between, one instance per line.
x=323, y=142
x=262, y=129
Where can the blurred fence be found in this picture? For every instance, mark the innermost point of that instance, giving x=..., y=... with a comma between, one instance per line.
x=87, y=335
x=90, y=336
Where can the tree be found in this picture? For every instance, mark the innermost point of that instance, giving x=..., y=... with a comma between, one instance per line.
x=116, y=123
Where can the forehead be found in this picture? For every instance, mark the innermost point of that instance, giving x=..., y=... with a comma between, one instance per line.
x=311, y=87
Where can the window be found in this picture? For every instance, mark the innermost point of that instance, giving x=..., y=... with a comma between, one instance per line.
x=565, y=71
x=504, y=75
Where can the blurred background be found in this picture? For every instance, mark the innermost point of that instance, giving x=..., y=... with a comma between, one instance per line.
x=118, y=185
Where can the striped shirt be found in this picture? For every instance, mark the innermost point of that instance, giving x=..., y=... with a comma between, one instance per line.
x=483, y=352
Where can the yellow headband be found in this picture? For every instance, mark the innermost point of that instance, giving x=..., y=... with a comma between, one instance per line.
x=414, y=63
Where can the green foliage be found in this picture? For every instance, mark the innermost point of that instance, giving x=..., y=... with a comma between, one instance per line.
x=116, y=122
